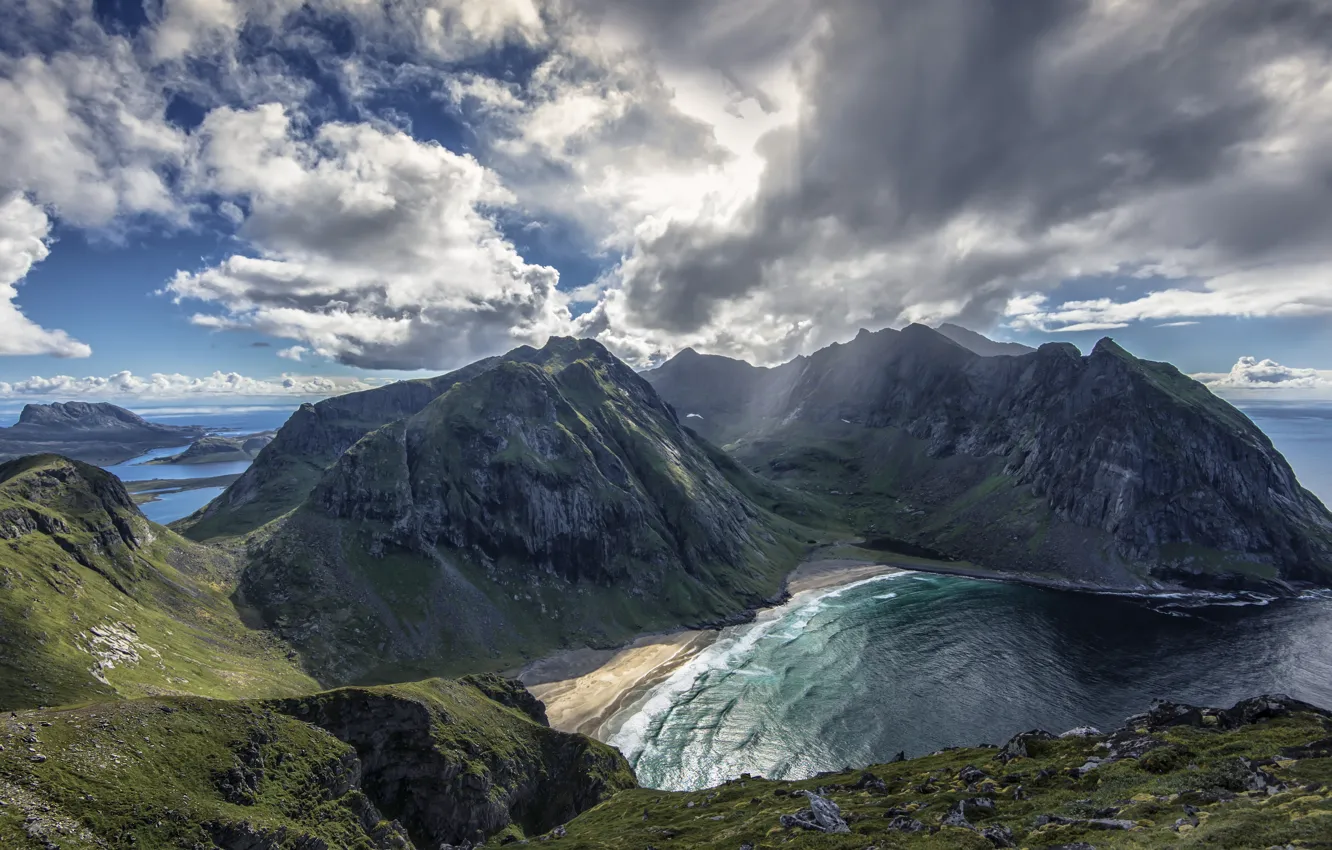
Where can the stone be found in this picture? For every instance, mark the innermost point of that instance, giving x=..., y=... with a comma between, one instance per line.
x=999, y=836
x=823, y=815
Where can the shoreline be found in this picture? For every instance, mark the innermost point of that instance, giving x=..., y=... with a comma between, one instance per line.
x=583, y=689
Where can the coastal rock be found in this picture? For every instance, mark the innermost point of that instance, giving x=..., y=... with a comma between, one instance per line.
x=1016, y=747
x=823, y=815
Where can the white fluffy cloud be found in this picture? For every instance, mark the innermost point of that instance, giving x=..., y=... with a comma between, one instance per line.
x=373, y=248
x=24, y=228
x=1250, y=373
x=169, y=386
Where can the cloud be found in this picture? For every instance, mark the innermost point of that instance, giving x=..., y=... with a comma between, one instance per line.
x=24, y=229
x=169, y=386
x=951, y=155
x=1250, y=373
x=374, y=249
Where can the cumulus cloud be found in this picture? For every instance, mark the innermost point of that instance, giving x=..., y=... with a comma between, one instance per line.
x=374, y=249
x=24, y=229
x=168, y=386
x=1250, y=373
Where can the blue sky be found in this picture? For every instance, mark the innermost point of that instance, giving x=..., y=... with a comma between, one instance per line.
x=264, y=199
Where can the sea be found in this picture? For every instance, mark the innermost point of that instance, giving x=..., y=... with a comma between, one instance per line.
x=915, y=662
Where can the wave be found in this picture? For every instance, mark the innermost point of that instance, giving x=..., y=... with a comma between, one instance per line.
x=730, y=651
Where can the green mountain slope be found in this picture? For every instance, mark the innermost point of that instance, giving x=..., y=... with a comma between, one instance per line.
x=96, y=601
x=551, y=499
x=1253, y=776
x=1105, y=468
x=425, y=765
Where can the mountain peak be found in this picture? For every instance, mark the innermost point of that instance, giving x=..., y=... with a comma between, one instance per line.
x=79, y=414
x=981, y=344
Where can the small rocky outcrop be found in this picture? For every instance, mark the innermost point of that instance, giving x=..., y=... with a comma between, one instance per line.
x=822, y=815
x=452, y=768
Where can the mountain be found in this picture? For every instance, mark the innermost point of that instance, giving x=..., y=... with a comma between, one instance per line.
x=220, y=449
x=92, y=432
x=548, y=499
x=287, y=469
x=426, y=765
x=1106, y=468
x=982, y=345
x=99, y=602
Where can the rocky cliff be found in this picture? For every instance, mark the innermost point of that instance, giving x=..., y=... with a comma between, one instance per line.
x=1105, y=467
x=428, y=765
x=552, y=497
x=96, y=601
x=93, y=432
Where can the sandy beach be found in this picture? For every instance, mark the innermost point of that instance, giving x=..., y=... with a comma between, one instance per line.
x=584, y=688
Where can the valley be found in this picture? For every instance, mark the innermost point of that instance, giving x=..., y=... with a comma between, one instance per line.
x=858, y=570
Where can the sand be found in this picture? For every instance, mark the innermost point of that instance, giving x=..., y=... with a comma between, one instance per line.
x=583, y=689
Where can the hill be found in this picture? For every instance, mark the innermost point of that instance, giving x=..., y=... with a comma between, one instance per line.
x=99, y=602
x=220, y=449
x=1106, y=468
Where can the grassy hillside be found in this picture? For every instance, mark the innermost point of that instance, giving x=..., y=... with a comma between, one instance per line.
x=1253, y=777
x=96, y=601
x=400, y=767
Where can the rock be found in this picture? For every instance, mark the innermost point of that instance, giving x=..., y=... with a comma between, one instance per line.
x=901, y=823
x=870, y=782
x=971, y=775
x=1081, y=732
x=38, y=758
x=901, y=756
x=1016, y=747
x=823, y=815
x=998, y=835
x=956, y=817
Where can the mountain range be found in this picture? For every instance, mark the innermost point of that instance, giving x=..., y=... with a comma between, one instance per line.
x=1105, y=469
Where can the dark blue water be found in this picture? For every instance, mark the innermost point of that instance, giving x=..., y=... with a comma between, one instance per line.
x=918, y=662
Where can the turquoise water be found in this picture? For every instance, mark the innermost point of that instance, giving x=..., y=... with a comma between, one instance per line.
x=917, y=662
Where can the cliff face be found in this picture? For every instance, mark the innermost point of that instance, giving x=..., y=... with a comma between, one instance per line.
x=1166, y=479
x=552, y=497
x=425, y=765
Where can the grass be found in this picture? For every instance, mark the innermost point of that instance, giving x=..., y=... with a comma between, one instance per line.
x=747, y=810
x=89, y=614
x=187, y=772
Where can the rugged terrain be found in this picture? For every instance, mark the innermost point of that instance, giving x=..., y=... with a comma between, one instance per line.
x=93, y=432
x=426, y=765
x=97, y=602
x=550, y=499
x=446, y=764
x=1257, y=775
x=219, y=449
x=1102, y=468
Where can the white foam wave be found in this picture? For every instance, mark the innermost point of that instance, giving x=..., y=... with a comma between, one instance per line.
x=728, y=652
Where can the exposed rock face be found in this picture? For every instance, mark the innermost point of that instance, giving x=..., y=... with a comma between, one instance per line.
x=94, y=432
x=553, y=495
x=1176, y=482
x=982, y=345
x=426, y=764
x=316, y=435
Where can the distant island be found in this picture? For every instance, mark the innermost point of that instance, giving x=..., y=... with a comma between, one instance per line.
x=93, y=432
x=220, y=449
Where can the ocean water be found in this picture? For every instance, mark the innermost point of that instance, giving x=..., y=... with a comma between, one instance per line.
x=1302, y=431
x=917, y=662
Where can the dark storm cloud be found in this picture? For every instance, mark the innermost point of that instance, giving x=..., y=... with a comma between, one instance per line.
x=1025, y=117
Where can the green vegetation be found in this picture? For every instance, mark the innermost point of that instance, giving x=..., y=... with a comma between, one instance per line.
x=1189, y=790
x=358, y=769
x=97, y=602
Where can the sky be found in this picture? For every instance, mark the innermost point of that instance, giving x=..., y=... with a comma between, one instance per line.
x=231, y=199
